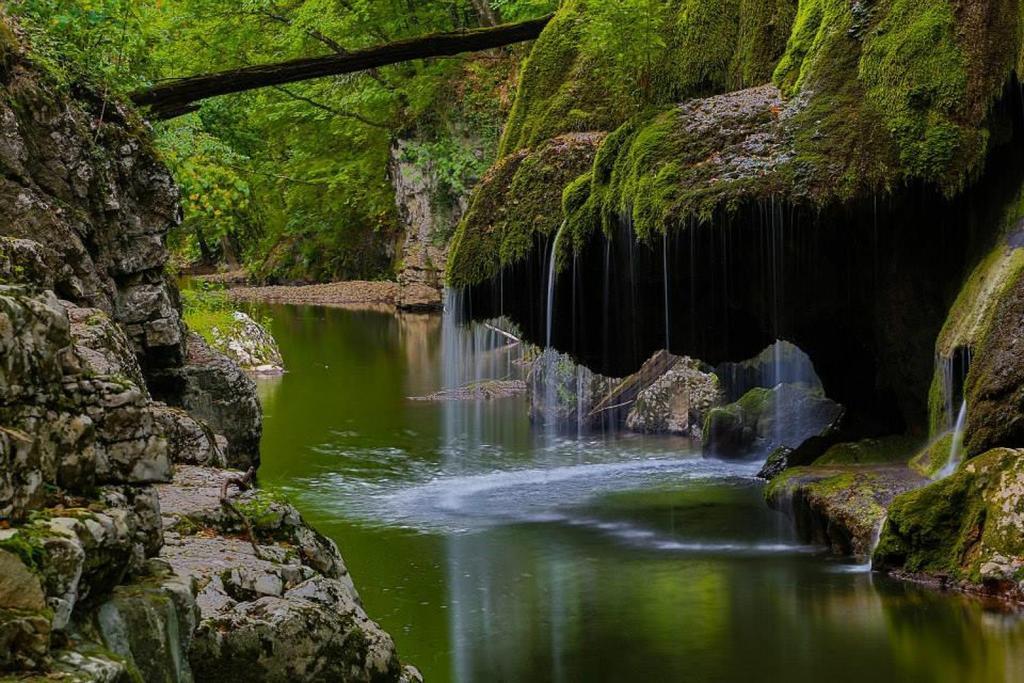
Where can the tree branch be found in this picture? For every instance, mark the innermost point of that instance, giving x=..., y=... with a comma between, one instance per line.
x=169, y=99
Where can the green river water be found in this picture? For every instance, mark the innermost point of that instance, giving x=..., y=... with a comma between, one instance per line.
x=492, y=552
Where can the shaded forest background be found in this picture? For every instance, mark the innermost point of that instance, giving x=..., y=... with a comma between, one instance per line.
x=293, y=182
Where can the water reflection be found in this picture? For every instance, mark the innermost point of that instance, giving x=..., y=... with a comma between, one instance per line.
x=493, y=554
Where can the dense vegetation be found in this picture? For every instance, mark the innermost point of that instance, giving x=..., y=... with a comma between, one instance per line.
x=293, y=181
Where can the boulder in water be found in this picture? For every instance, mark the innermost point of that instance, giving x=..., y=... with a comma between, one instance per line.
x=765, y=419
x=677, y=401
x=965, y=531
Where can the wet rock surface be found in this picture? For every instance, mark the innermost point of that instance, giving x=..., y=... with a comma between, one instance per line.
x=677, y=402
x=965, y=531
x=840, y=506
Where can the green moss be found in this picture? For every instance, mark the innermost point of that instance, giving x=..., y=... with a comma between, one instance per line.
x=934, y=529
x=27, y=545
x=933, y=457
x=586, y=73
x=520, y=197
x=889, y=450
x=262, y=509
x=973, y=314
x=966, y=526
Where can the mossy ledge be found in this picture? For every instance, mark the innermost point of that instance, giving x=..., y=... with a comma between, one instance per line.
x=870, y=98
x=965, y=531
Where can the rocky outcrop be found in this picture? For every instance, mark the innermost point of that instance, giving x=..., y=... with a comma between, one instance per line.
x=81, y=180
x=249, y=345
x=840, y=506
x=427, y=224
x=281, y=607
x=965, y=531
x=763, y=420
x=212, y=388
x=89, y=330
x=677, y=402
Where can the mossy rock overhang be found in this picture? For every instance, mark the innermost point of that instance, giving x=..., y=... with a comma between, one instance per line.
x=807, y=212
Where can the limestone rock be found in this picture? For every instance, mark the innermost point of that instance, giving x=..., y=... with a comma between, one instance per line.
x=426, y=223
x=102, y=346
x=189, y=441
x=250, y=345
x=676, y=402
x=19, y=587
x=966, y=530
x=215, y=390
x=841, y=506
x=25, y=262
x=285, y=610
x=90, y=190
x=149, y=624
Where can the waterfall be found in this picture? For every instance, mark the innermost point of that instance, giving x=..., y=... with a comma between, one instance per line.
x=956, y=444
x=552, y=274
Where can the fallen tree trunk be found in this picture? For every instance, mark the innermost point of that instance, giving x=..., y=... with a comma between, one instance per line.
x=177, y=97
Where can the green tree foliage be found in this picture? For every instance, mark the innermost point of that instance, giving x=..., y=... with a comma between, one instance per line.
x=293, y=181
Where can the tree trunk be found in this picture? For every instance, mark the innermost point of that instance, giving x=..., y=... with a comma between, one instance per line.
x=488, y=17
x=177, y=97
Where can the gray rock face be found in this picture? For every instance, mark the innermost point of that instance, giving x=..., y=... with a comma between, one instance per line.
x=84, y=206
x=421, y=278
x=215, y=390
x=284, y=610
x=676, y=402
x=102, y=346
x=90, y=190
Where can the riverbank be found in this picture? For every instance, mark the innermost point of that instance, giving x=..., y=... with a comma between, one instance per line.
x=378, y=295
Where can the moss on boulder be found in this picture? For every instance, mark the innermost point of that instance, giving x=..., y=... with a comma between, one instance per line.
x=966, y=530
x=868, y=98
x=520, y=197
x=574, y=80
x=841, y=506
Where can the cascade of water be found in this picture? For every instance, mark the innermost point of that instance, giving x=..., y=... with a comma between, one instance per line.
x=551, y=283
x=956, y=444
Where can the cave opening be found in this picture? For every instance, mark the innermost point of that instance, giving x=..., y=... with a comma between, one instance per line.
x=862, y=287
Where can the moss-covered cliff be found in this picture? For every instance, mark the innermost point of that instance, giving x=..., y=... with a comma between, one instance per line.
x=872, y=96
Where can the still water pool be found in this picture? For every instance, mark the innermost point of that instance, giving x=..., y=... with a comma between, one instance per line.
x=492, y=552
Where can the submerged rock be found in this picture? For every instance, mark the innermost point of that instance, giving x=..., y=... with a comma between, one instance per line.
x=766, y=419
x=965, y=531
x=486, y=390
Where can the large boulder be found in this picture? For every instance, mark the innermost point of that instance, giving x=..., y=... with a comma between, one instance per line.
x=766, y=419
x=249, y=344
x=677, y=402
x=276, y=602
x=966, y=530
x=841, y=500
